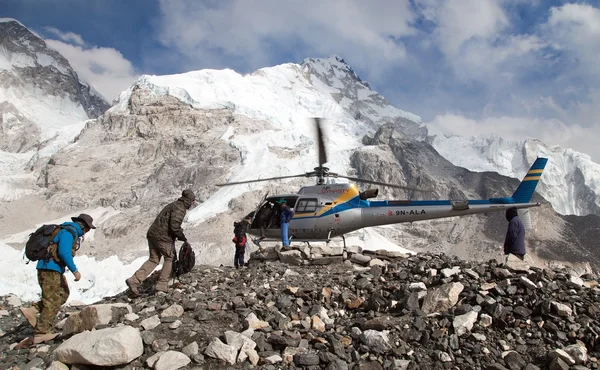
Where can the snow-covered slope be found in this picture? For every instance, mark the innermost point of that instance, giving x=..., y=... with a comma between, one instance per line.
x=571, y=180
x=43, y=106
x=285, y=96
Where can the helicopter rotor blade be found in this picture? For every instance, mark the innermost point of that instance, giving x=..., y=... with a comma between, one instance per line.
x=321, y=142
x=265, y=179
x=384, y=184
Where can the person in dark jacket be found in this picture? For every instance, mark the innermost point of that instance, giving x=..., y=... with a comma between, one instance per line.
x=240, y=241
x=55, y=289
x=514, y=243
x=161, y=236
x=285, y=218
x=263, y=220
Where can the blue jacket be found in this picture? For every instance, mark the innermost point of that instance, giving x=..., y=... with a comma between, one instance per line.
x=286, y=215
x=64, y=239
x=515, y=237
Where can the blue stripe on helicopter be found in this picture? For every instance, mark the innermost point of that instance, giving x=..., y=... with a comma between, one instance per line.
x=357, y=203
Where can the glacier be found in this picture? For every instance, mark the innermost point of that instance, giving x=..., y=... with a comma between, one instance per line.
x=571, y=180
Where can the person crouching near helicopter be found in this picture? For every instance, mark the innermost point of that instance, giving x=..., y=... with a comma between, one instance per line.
x=263, y=219
x=285, y=218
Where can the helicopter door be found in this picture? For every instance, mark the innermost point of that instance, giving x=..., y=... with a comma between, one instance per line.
x=255, y=212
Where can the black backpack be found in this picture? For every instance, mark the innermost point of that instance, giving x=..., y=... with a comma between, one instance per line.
x=37, y=245
x=185, y=262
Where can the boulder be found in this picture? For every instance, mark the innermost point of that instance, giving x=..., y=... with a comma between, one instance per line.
x=104, y=347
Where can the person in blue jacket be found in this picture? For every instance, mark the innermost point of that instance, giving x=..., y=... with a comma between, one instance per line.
x=514, y=243
x=285, y=217
x=55, y=289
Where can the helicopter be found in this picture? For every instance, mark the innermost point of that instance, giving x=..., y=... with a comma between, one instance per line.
x=324, y=211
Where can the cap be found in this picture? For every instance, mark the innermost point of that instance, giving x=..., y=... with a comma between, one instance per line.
x=189, y=194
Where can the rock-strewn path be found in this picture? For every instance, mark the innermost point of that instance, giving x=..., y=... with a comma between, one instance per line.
x=331, y=309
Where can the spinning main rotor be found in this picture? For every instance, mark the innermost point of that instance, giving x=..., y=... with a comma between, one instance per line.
x=322, y=172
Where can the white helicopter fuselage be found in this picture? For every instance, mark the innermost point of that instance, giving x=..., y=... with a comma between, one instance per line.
x=326, y=211
x=334, y=210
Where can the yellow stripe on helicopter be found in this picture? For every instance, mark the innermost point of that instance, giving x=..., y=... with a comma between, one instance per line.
x=349, y=194
x=345, y=197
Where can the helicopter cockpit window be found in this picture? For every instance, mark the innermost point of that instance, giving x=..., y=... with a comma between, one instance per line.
x=306, y=205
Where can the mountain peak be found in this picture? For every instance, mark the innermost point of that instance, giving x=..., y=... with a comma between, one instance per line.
x=334, y=64
x=15, y=35
x=43, y=104
x=25, y=56
x=9, y=20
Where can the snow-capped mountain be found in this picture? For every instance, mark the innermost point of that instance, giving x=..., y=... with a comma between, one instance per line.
x=43, y=105
x=205, y=127
x=285, y=96
x=201, y=128
x=571, y=181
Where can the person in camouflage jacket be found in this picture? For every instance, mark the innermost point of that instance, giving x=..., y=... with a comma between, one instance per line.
x=161, y=236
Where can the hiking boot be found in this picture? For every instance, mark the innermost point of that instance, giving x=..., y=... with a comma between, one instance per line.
x=30, y=314
x=44, y=337
x=25, y=343
x=132, y=288
x=161, y=288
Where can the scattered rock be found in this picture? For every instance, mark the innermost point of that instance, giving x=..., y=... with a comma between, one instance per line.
x=382, y=312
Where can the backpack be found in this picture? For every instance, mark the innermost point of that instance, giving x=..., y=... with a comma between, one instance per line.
x=185, y=262
x=36, y=247
x=240, y=242
x=239, y=231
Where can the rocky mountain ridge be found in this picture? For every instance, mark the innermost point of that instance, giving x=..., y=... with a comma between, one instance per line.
x=43, y=106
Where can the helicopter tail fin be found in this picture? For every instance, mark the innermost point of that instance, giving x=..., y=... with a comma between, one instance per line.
x=524, y=192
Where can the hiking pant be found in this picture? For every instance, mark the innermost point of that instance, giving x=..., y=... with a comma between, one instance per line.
x=238, y=259
x=55, y=291
x=284, y=234
x=262, y=230
x=157, y=249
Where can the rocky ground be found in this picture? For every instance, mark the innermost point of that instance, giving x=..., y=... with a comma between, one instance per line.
x=354, y=310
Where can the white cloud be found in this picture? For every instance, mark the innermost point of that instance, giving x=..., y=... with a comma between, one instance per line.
x=365, y=33
x=575, y=29
x=476, y=38
x=549, y=131
x=105, y=69
x=460, y=21
x=69, y=37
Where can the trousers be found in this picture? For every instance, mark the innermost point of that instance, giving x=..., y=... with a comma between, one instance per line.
x=55, y=292
x=284, y=234
x=157, y=250
x=238, y=259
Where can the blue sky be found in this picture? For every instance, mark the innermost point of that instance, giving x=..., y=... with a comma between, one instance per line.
x=517, y=68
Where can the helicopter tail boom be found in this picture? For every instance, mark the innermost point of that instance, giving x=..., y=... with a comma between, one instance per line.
x=524, y=192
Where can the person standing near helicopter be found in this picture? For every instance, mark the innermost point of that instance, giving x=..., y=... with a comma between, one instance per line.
x=285, y=218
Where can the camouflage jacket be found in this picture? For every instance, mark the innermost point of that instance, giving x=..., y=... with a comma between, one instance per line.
x=167, y=225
